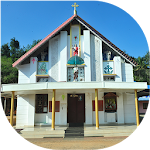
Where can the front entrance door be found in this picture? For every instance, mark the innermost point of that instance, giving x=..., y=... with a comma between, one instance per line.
x=76, y=108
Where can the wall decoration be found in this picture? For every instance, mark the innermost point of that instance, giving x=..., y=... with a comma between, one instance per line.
x=33, y=60
x=63, y=96
x=42, y=68
x=75, y=50
x=108, y=55
x=80, y=98
x=108, y=67
x=43, y=54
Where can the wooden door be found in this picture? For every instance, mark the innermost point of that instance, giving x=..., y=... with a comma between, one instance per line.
x=76, y=108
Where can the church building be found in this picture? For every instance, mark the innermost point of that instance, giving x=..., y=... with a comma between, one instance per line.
x=75, y=75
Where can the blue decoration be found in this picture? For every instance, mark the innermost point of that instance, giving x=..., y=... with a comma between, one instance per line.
x=108, y=69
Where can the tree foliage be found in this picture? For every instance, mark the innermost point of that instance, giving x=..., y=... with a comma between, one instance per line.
x=9, y=54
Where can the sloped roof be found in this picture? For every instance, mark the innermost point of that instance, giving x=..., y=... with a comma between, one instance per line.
x=105, y=40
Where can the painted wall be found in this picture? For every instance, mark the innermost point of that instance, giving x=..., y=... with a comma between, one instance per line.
x=87, y=55
x=127, y=72
x=117, y=69
x=23, y=74
x=60, y=117
x=54, y=59
x=129, y=108
x=120, y=108
x=100, y=113
x=96, y=58
x=25, y=111
x=141, y=110
x=62, y=52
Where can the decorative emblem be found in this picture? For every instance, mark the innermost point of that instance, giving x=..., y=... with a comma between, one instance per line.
x=33, y=60
x=42, y=68
x=108, y=69
x=80, y=98
x=63, y=96
x=75, y=37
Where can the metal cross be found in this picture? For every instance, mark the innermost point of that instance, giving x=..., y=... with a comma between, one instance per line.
x=75, y=5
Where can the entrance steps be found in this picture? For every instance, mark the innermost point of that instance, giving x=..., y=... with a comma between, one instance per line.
x=75, y=130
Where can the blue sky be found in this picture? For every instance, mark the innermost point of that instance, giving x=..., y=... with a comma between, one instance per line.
x=33, y=20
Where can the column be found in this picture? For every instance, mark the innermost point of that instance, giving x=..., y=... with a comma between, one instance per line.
x=63, y=56
x=87, y=55
x=137, y=108
x=12, y=108
x=117, y=69
x=96, y=108
x=5, y=104
x=53, y=110
x=33, y=69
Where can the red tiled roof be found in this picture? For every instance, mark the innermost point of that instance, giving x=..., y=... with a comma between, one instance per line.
x=59, y=28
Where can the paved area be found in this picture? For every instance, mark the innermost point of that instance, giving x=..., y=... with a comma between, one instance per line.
x=89, y=131
x=80, y=143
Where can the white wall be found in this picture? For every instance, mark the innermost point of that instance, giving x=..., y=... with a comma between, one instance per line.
x=33, y=69
x=100, y=113
x=129, y=108
x=31, y=110
x=127, y=72
x=87, y=55
x=88, y=108
x=117, y=69
x=120, y=108
x=60, y=117
x=25, y=111
x=63, y=56
x=54, y=59
x=24, y=74
x=22, y=111
x=96, y=58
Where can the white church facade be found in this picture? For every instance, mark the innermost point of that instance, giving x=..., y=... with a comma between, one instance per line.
x=75, y=75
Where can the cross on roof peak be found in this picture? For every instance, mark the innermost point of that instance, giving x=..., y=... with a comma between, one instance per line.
x=75, y=5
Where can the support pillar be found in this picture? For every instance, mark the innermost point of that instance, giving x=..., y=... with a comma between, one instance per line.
x=5, y=105
x=53, y=110
x=96, y=108
x=12, y=108
x=137, y=109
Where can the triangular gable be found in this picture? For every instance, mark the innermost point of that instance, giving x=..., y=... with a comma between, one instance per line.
x=80, y=20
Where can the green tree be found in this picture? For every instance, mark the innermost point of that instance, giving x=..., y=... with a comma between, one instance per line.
x=5, y=50
x=14, y=44
x=8, y=73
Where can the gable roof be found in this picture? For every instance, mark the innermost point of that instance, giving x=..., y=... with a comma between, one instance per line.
x=80, y=20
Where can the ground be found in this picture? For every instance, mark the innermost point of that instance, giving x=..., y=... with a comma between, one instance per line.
x=80, y=143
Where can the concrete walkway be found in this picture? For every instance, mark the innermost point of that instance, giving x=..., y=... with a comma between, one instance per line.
x=89, y=131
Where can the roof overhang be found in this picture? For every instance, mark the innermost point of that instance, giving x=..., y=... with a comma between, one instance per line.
x=71, y=87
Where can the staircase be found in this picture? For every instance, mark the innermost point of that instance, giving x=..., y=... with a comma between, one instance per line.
x=75, y=130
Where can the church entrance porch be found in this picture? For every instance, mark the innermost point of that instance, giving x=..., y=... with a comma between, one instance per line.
x=76, y=109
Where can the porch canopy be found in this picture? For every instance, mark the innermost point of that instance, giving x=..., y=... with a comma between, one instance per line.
x=72, y=87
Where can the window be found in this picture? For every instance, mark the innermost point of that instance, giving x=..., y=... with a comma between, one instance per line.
x=110, y=102
x=42, y=79
x=41, y=103
x=75, y=71
x=57, y=106
x=111, y=78
x=100, y=105
x=145, y=105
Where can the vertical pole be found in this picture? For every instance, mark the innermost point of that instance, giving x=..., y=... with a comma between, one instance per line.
x=53, y=110
x=12, y=108
x=5, y=105
x=137, y=109
x=96, y=108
